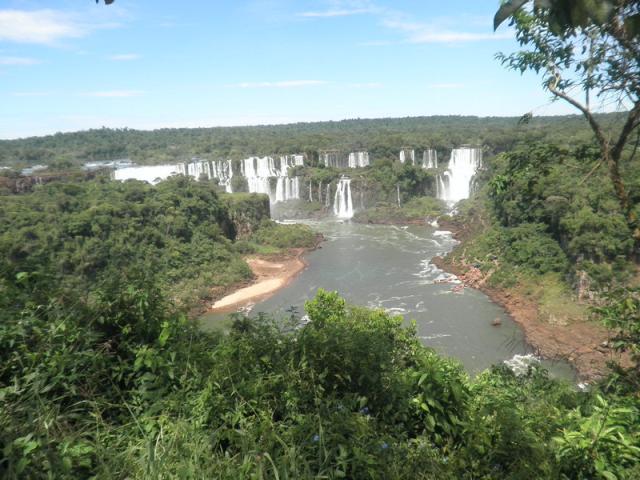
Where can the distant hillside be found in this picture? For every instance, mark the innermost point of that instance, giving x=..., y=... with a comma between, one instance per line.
x=383, y=138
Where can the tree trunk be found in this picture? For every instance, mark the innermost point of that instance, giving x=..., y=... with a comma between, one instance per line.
x=613, y=164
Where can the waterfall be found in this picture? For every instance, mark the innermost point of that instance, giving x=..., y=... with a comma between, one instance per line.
x=430, y=158
x=408, y=154
x=260, y=170
x=150, y=173
x=455, y=183
x=287, y=188
x=327, y=197
x=220, y=170
x=332, y=158
x=342, y=203
x=358, y=159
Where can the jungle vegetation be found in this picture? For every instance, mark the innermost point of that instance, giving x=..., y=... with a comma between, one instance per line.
x=102, y=375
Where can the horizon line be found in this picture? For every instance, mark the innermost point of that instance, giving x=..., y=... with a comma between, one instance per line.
x=302, y=122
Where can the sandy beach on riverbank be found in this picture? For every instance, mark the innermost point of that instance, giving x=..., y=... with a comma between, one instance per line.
x=271, y=274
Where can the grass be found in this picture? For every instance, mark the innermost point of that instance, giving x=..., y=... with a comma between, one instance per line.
x=556, y=301
x=419, y=208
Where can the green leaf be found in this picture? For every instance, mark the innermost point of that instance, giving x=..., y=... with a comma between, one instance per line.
x=608, y=475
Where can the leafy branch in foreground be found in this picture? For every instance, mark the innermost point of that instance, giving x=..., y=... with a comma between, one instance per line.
x=584, y=48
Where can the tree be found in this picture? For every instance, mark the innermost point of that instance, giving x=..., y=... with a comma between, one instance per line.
x=585, y=47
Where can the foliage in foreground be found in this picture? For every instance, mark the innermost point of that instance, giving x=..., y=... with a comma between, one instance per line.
x=126, y=388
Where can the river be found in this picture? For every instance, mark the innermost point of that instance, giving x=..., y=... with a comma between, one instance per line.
x=382, y=266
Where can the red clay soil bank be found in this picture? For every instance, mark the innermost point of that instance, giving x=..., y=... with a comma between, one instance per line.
x=583, y=343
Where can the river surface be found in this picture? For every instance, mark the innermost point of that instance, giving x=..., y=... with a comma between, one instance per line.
x=388, y=267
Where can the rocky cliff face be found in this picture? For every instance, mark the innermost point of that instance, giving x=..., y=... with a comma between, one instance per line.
x=247, y=211
x=26, y=183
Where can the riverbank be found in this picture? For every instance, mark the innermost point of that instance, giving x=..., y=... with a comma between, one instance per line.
x=574, y=338
x=270, y=273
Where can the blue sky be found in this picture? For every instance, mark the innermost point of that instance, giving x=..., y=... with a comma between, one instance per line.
x=71, y=64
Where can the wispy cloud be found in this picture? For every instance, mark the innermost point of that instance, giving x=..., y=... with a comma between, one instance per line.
x=38, y=26
x=45, y=26
x=281, y=84
x=124, y=57
x=438, y=33
x=114, y=94
x=335, y=13
x=23, y=61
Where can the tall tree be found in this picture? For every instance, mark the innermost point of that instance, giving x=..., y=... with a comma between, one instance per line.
x=585, y=50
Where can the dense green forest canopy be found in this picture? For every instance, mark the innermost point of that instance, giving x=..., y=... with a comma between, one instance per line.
x=101, y=373
x=79, y=235
x=383, y=138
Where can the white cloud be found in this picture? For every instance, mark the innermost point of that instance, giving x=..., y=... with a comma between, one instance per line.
x=38, y=26
x=48, y=27
x=18, y=61
x=124, y=57
x=114, y=94
x=335, y=13
x=281, y=84
x=435, y=33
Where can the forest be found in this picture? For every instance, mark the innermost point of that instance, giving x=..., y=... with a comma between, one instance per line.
x=382, y=138
x=105, y=372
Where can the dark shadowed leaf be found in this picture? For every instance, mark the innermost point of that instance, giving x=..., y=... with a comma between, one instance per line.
x=506, y=10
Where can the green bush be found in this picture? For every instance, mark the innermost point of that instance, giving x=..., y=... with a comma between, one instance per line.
x=274, y=234
x=127, y=388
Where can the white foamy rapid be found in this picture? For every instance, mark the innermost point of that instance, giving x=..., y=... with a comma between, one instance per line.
x=455, y=184
x=520, y=364
x=342, y=202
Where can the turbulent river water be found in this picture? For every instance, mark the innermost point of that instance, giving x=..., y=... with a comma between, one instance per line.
x=388, y=267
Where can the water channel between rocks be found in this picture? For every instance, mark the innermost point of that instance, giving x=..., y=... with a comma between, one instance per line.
x=382, y=266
